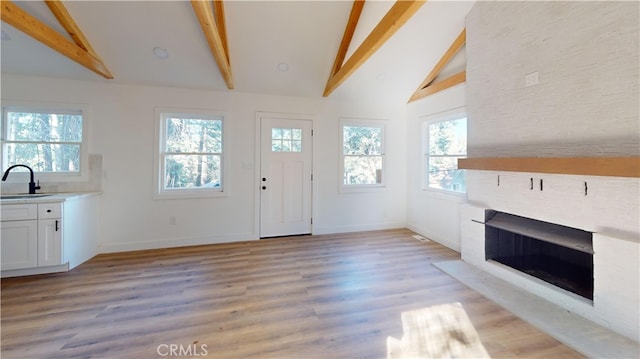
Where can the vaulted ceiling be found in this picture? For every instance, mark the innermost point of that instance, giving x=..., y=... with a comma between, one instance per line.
x=272, y=47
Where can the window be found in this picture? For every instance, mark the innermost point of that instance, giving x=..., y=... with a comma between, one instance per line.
x=286, y=140
x=50, y=141
x=189, y=160
x=446, y=141
x=362, y=154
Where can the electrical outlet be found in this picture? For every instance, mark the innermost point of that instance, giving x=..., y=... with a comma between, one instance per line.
x=531, y=79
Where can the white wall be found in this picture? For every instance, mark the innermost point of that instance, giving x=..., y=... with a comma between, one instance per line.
x=433, y=214
x=122, y=132
x=346, y=211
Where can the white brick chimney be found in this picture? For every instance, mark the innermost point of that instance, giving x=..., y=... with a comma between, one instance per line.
x=586, y=104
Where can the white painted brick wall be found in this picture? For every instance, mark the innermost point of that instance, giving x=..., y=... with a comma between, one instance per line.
x=588, y=99
x=610, y=206
x=586, y=104
x=472, y=234
x=616, y=283
x=610, y=209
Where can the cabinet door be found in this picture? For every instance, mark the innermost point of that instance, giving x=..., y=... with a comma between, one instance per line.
x=49, y=242
x=19, y=242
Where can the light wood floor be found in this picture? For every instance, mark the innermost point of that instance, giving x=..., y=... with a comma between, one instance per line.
x=330, y=296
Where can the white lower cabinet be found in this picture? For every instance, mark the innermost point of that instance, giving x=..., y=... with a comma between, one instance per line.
x=19, y=244
x=48, y=237
x=31, y=236
x=49, y=242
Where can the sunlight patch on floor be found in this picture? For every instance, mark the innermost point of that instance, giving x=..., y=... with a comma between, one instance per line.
x=441, y=331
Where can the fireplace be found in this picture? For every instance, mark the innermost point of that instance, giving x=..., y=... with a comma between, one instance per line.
x=556, y=254
x=590, y=256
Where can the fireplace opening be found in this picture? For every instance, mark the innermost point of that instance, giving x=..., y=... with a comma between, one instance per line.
x=559, y=255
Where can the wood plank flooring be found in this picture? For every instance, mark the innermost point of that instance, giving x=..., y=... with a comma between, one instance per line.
x=329, y=296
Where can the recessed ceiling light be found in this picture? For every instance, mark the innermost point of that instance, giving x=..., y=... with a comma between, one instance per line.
x=283, y=67
x=161, y=53
x=5, y=36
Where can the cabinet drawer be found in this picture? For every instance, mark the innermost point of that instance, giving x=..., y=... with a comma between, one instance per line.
x=18, y=212
x=49, y=210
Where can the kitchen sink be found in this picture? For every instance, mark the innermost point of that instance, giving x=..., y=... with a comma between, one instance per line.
x=23, y=196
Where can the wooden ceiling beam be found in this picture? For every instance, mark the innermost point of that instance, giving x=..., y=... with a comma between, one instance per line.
x=204, y=13
x=21, y=20
x=64, y=18
x=218, y=8
x=444, y=60
x=450, y=81
x=457, y=44
x=393, y=20
x=349, y=30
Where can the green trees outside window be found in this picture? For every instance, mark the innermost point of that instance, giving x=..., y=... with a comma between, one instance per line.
x=363, y=156
x=192, y=152
x=44, y=141
x=286, y=140
x=447, y=141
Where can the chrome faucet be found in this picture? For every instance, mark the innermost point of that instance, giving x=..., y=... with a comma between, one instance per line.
x=32, y=185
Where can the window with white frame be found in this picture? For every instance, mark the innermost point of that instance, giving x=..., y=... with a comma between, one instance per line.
x=445, y=142
x=286, y=139
x=50, y=141
x=190, y=154
x=362, y=154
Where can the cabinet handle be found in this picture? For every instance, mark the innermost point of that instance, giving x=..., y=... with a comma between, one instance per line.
x=48, y=211
x=57, y=227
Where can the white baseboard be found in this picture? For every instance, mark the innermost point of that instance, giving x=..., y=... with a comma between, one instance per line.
x=35, y=271
x=114, y=247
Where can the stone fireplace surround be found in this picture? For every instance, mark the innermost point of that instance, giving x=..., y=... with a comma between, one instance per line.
x=609, y=209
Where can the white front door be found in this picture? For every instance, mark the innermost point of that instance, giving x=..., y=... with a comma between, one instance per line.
x=285, y=177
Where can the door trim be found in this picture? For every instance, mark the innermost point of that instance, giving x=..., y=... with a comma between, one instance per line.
x=258, y=163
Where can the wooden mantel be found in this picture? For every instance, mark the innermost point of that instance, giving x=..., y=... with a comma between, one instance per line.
x=591, y=166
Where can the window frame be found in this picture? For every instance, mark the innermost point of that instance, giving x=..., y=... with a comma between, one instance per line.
x=82, y=175
x=291, y=141
x=427, y=121
x=376, y=123
x=160, y=117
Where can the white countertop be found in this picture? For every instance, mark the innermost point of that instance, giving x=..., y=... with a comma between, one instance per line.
x=49, y=198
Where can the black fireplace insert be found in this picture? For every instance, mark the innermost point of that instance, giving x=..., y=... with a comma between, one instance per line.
x=556, y=254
